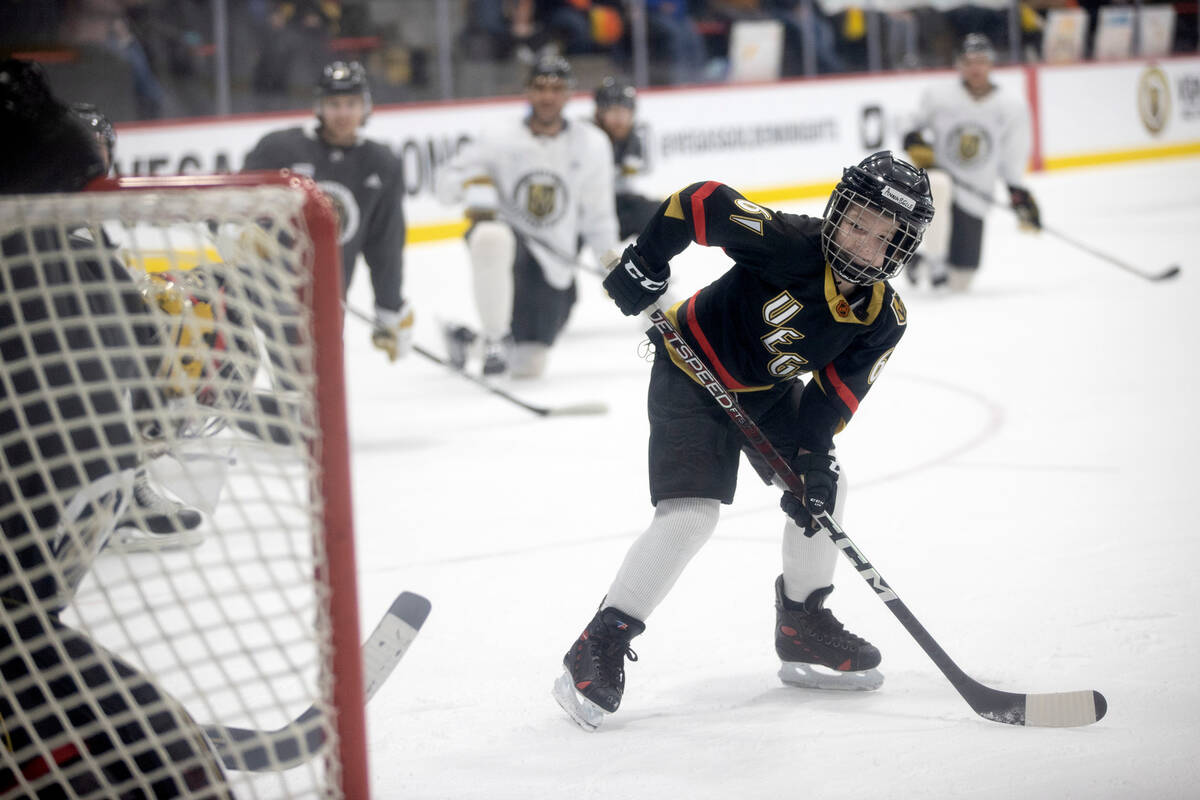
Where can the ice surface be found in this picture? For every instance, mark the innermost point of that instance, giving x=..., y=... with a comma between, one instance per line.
x=1022, y=475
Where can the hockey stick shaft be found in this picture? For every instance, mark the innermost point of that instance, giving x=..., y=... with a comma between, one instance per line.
x=260, y=750
x=578, y=409
x=1169, y=272
x=1054, y=710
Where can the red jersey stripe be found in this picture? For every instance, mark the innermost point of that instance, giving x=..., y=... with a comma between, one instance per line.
x=709, y=353
x=698, y=221
x=843, y=391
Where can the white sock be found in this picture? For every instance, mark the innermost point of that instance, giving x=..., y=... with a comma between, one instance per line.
x=656, y=559
x=809, y=562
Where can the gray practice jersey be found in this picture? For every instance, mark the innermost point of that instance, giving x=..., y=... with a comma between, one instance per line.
x=365, y=184
x=551, y=190
x=976, y=140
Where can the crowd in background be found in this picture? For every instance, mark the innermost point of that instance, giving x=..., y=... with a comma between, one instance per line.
x=153, y=59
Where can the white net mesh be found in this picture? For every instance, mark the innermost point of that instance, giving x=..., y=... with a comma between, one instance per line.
x=161, y=497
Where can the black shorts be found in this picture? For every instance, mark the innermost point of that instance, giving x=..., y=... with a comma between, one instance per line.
x=694, y=445
x=540, y=311
x=966, y=240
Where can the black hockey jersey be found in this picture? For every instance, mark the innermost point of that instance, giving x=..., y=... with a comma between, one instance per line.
x=776, y=313
x=365, y=184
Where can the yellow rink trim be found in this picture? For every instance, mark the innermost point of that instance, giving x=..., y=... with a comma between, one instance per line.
x=1117, y=156
x=440, y=231
x=162, y=260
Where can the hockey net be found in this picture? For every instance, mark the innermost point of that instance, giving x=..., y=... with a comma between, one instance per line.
x=184, y=333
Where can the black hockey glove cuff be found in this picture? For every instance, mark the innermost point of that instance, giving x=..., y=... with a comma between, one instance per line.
x=820, y=474
x=919, y=151
x=1027, y=210
x=634, y=284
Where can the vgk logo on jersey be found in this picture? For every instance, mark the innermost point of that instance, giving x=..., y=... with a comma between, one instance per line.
x=542, y=198
x=899, y=310
x=970, y=143
x=344, y=206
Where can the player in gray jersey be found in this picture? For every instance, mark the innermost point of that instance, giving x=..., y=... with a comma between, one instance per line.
x=363, y=179
x=968, y=134
x=533, y=189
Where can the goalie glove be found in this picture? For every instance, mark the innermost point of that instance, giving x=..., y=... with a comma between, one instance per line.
x=634, y=284
x=919, y=151
x=393, y=331
x=820, y=474
x=1028, y=216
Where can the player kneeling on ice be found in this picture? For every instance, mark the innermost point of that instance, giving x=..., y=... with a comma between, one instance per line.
x=804, y=295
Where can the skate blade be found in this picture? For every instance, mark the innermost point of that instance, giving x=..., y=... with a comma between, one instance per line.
x=133, y=540
x=815, y=676
x=583, y=712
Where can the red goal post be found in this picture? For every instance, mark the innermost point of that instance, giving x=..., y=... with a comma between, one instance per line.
x=259, y=620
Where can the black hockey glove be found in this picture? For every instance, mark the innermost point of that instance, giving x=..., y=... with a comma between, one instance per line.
x=820, y=474
x=634, y=284
x=1027, y=210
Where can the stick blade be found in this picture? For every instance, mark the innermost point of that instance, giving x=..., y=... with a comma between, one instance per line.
x=1170, y=272
x=1064, y=709
x=1047, y=710
x=578, y=410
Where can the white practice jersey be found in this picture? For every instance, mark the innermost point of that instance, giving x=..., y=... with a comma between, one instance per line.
x=976, y=140
x=551, y=189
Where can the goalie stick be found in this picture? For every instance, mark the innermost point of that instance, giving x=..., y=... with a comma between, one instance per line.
x=295, y=743
x=575, y=409
x=1054, y=710
x=1162, y=275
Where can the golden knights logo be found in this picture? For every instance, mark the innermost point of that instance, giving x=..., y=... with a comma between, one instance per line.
x=899, y=310
x=969, y=143
x=541, y=197
x=1154, y=99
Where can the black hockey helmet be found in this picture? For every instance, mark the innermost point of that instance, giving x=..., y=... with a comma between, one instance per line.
x=615, y=92
x=43, y=147
x=94, y=120
x=881, y=186
x=343, y=77
x=977, y=44
x=551, y=66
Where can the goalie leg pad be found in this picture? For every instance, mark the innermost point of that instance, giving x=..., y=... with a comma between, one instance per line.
x=492, y=246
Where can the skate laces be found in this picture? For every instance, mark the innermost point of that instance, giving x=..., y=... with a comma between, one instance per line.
x=611, y=660
x=830, y=629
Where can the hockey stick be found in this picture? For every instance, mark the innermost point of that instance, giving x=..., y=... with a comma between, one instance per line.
x=1055, y=710
x=577, y=409
x=1162, y=275
x=303, y=738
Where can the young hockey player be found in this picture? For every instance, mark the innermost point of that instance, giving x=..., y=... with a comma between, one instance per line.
x=804, y=295
x=78, y=352
x=532, y=189
x=968, y=134
x=363, y=179
x=616, y=103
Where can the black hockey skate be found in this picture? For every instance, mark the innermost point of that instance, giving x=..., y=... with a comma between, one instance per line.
x=155, y=522
x=816, y=649
x=495, y=356
x=459, y=340
x=594, y=677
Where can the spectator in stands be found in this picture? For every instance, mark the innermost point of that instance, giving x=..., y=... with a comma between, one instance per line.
x=579, y=26
x=673, y=34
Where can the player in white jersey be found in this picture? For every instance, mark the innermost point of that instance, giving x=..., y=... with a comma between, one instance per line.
x=532, y=189
x=967, y=135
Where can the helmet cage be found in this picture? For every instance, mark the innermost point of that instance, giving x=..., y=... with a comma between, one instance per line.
x=856, y=263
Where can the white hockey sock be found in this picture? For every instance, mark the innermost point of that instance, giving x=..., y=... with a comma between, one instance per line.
x=492, y=247
x=656, y=559
x=809, y=561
